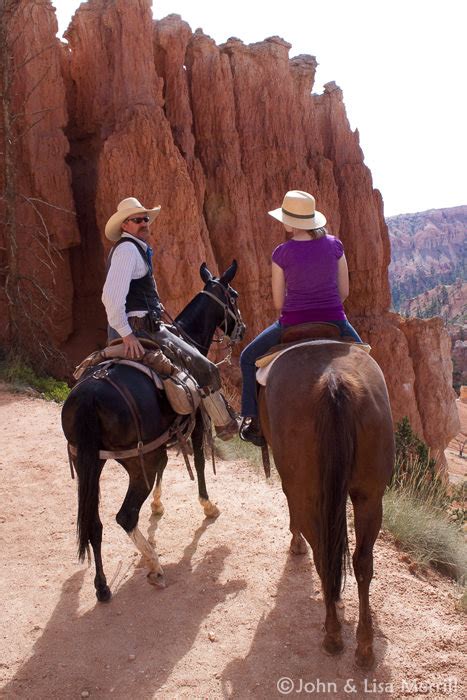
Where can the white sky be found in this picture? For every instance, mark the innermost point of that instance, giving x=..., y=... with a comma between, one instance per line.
x=402, y=66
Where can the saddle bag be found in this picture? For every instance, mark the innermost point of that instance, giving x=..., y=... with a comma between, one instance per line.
x=182, y=392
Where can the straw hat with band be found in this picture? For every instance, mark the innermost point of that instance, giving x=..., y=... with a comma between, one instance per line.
x=298, y=210
x=125, y=210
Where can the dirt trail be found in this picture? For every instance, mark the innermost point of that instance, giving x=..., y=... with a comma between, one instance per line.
x=238, y=613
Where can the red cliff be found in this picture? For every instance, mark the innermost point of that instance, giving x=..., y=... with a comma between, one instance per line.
x=38, y=221
x=217, y=135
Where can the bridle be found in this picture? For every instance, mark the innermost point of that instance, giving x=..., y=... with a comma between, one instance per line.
x=229, y=304
x=230, y=309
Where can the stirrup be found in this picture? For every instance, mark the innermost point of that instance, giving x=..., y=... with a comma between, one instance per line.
x=250, y=431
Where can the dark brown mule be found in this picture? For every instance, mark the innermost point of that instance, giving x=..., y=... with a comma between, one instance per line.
x=325, y=413
x=96, y=417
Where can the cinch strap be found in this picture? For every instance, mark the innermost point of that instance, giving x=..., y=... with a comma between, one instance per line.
x=298, y=216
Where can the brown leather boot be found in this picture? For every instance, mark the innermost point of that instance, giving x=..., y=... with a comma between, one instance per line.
x=227, y=432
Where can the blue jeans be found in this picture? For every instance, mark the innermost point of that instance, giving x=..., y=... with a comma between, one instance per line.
x=259, y=346
x=347, y=329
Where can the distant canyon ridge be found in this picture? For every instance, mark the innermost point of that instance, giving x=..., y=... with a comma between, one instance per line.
x=428, y=273
x=214, y=134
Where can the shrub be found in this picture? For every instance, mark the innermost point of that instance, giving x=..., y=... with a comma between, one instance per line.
x=20, y=375
x=425, y=533
x=415, y=471
x=421, y=510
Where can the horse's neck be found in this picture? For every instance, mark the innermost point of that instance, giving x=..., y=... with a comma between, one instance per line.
x=197, y=323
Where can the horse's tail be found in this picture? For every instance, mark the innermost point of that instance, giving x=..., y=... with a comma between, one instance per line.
x=335, y=435
x=87, y=432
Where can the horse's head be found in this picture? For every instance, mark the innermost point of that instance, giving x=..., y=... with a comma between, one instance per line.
x=229, y=319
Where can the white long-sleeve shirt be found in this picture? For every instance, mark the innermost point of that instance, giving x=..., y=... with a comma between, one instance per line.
x=127, y=264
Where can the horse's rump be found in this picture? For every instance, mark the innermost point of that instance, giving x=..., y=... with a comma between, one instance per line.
x=117, y=429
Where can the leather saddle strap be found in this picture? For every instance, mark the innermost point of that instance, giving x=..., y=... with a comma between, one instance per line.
x=130, y=402
x=126, y=454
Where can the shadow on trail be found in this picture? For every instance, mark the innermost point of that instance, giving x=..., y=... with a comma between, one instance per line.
x=129, y=647
x=287, y=644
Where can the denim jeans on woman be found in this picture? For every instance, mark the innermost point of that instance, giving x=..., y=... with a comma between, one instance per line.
x=259, y=346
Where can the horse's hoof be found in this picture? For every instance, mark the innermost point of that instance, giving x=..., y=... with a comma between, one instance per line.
x=365, y=660
x=157, y=509
x=298, y=545
x=103, y=594
x=333, y=645
x=156, y=579
x=212, y=511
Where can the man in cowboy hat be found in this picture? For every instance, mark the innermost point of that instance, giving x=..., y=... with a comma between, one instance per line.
x=130, y=294
x=133, y=306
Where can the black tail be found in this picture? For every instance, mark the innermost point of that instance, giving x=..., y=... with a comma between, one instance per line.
x=335, y=423
x=87, y=432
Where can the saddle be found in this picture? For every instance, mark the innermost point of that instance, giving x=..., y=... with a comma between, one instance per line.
x=303, y=334
x=181, y=389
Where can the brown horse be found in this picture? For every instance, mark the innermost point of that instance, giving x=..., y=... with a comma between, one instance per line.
x=325, y=413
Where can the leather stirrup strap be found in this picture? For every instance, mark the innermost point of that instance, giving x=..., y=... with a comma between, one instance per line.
x=266, y=461
x=130, y=402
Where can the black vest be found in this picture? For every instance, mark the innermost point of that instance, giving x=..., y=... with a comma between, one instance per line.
x=142, y=294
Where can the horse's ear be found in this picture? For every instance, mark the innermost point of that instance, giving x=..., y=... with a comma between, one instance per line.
x=205, y=274
x=229, y=274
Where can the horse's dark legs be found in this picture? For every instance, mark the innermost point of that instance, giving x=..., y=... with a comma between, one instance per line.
x=103, y=593
x=332, y=642
x=297, y=543
x=100, y=583
x=309, y=525
x=210, y=509
x=367, y=516
x=128, y=515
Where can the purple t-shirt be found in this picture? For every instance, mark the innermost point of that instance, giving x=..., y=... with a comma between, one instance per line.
x=310, y=270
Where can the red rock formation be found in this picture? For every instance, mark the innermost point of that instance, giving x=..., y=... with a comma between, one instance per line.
x=428, y=248
x=122, y=145
x=217, y=135
x=37, y=198
x=429, y=349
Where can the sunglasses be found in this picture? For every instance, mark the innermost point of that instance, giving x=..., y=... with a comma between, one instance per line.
x=139, y=219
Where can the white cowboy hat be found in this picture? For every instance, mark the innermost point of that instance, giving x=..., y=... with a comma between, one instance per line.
x=298, y=210
x=128, y=207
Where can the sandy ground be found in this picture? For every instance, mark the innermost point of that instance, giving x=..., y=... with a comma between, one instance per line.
x=238, y=614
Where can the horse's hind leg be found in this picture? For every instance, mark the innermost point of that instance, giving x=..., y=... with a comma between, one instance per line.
x=128, y=516
x=210, y=509
x=332, y=642
x=367, y=516
x=100, y=583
